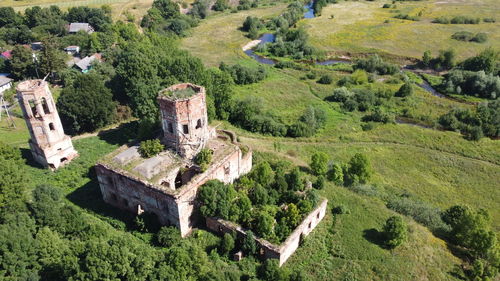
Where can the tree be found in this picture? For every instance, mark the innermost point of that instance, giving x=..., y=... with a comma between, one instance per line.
x=226, y=244
x=216, y=198
x=294, y=179
x=249, y=246
x=319, y=183
x=22, y=65
x=319, y=163
x=220, y=5
x=87, y=105
x=336, y=174
x=395, y=232
x=263, y=174
x=426, y=59
x=405, y=90
x=13, y=184
x=264, y=223
x=485, y=61
x=168, y=236
x=358, y=170
x=291, y=216
x=51, y=59
x=259, y=195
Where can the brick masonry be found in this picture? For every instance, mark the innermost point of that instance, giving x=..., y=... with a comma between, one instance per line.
x=48, y=144
x=167, y=184
x=268, y=250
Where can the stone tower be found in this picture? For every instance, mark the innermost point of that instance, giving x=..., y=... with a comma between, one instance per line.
x=49, y=145
x=184, y=118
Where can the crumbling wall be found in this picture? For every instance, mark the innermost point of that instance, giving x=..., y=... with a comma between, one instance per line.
x=267, y=249
x=48, y=143
x=184, y=120
x=175, y=207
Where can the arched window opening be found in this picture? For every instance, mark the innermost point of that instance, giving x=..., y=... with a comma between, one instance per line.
x=170, y=128
x=32, y=104
x=198, y=124
x=185, y=129
x=51, y=127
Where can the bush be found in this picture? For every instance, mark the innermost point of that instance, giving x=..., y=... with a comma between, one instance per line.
x=358, y=170
x=168, y=236
x=336, y=174
x=243, y=75
x=405, y=90
x=150, y=148
x=395, y=232
x=319, y=163
x=470, y=37
x=249, y=247
x=204, y=158
x=375, y=64
x=319, y=183
x=325, y=79
x=226, y=244
x=471, y=83
x=378, y=115
x=340, y=210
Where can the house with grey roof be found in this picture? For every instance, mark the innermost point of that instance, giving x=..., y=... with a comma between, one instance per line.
x=75, y=27
x=5, y=84
x=85, y=64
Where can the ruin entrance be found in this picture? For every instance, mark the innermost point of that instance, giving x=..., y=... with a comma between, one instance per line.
x=178, y=179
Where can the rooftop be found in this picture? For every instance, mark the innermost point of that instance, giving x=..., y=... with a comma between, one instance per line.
x=29, y=85
x=180, y=91
x=77, y=26
x=127, y=161
x=4, y=80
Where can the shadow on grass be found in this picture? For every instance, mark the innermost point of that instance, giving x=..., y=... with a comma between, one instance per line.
x=374, y=236
x=121, y=135
x=30, y=161
x=89, y=197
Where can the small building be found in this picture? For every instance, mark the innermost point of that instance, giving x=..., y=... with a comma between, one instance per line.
x=85, y=64
x=6, y=55
x=72, y=50
x=5, y=84
x=36, y=46
x=75, y=27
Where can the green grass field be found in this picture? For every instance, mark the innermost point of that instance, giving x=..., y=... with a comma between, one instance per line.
x=218, y=38
x=360, y=27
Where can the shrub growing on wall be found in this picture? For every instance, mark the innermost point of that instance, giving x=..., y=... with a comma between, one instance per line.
x=150, y=148
x=204, y=158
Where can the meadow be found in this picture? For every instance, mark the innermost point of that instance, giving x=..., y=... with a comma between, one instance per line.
x=119, y=8
x=365, y=27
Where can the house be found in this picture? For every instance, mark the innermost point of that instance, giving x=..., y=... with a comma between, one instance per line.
x=5, y=83
x=6, y=55
x=75, y=27
x=72, y=50
x=36, y=46
x=85, y=64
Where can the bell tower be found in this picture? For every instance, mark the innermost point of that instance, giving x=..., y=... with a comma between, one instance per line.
x=184, y=118
x=49, y=145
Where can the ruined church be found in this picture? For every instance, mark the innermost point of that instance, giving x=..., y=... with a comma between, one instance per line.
x=167, y=184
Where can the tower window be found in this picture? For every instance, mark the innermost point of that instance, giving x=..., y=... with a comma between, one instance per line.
x=185, y=129
x=170, y=128
x=33, y=108
x=51, y=126
x=45, y=106
x=198, y=124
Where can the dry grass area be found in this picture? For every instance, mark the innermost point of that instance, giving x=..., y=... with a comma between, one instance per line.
x=218, y=39
x=366, y=27
x=137, y=8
